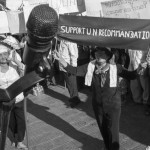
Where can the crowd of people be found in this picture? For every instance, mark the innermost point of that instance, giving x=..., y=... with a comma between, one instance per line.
x=114, y=75
x=108, y=75
x=137, y=89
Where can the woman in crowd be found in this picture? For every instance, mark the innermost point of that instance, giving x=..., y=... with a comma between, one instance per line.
x=10, y=70
x=103, y=76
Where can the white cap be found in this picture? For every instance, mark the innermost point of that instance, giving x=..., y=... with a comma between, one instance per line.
x=13, y=42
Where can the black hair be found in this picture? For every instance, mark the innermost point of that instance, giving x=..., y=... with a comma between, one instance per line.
x=105, y=50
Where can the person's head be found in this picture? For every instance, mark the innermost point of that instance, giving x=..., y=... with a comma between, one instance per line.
x=102, y=55
x=13, y=42
x=6, y=45
x=4, y=52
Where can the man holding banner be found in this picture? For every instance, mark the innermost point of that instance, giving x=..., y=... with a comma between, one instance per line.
x=103, y=74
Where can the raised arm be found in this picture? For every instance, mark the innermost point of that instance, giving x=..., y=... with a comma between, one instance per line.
x=78, y=71
x=130, y=75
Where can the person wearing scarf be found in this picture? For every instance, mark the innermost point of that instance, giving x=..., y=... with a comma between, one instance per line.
x=102, y=74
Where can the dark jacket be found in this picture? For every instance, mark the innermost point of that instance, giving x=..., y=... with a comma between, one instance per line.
x=103, y=95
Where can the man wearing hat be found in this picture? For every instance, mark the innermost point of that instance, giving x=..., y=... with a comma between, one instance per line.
x=102, y=73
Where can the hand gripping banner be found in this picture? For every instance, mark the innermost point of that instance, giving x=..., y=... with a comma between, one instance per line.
x=106, y=32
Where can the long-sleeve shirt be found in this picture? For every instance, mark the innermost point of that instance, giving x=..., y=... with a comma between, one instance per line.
x=136, y=57
x=69, y=52
x=82, y=70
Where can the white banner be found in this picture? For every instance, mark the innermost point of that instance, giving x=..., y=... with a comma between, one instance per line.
x=16, y=22
x=61, y=6
x=4, y=23
x=37, y=2
x=27, y=9
x=67, y=6
x=93, y=7
x=139, y=9
x=13, y=4
x=30, y=4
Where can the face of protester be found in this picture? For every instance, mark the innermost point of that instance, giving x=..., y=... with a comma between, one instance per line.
x=4, y=54
x=99, y=60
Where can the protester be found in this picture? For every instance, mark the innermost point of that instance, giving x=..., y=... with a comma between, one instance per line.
x=10, y=70
x=52, y=78
x=69, y=52
x=12, y=41
x=22, y=41
x=122, y=58
x=106, y=96
x=139, y=86
x=83, y=58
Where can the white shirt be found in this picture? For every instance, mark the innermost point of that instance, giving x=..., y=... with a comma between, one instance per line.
x=136, y=57
x=69, y=52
